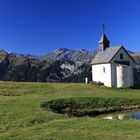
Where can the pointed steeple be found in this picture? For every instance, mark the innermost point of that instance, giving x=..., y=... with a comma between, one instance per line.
x=103, y=42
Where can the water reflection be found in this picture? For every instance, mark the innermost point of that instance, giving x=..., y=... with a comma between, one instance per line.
x=137, y=115
x=125, y=116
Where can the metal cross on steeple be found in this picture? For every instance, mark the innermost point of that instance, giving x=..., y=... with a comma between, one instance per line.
x=103, y=28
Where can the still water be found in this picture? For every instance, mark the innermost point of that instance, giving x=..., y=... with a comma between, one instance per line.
x=130, y=115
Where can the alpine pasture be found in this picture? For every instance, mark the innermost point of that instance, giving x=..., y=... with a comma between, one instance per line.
x=22, y=118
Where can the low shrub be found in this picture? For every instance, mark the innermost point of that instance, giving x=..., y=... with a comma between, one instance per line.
x=89, y=106
x=97, y=83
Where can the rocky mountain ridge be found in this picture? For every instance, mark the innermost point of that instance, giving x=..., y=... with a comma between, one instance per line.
x=67, y=54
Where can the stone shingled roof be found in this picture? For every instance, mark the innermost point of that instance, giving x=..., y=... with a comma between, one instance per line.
x=105, y=56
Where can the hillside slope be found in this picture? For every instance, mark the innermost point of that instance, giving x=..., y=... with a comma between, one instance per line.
x=57, y=66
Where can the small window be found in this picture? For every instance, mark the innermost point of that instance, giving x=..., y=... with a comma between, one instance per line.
x=121, y=56
x=103, y=69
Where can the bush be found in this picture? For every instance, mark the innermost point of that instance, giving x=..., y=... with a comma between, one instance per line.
x=88, y=106
x=97, y=83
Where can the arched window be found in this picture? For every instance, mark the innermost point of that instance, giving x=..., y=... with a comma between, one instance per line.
x=103, y=69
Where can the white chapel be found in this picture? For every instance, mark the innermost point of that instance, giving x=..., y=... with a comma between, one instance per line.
x=112, y=66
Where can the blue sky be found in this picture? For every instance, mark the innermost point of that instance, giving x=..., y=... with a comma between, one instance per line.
x=40, y=26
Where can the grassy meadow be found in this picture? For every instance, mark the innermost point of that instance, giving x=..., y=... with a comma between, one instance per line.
x=22, y=118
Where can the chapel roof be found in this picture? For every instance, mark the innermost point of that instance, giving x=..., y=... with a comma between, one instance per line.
x=106, y=56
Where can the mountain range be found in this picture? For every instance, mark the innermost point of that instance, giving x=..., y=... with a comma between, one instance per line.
x=67, y=54
x=60, y=65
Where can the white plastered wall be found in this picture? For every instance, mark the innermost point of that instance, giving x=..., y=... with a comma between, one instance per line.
x=98, y=75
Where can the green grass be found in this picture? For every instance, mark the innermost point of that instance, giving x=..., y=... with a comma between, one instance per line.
x=22, y=118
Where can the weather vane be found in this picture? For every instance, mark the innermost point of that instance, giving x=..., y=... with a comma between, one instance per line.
x=103, y=28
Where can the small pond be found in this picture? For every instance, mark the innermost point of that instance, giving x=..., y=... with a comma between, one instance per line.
x=129, y=115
